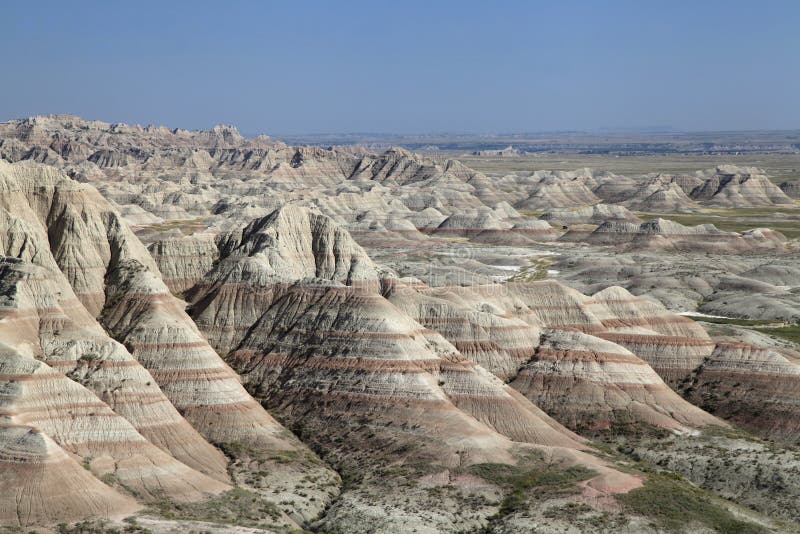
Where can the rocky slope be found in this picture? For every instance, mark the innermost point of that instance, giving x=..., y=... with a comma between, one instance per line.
x=134, y=413
x=43, y=484
x=754, y=387
x=733, y=187
x=596, y=214
x=317, y=342
x=790, y=189
x=592, y=384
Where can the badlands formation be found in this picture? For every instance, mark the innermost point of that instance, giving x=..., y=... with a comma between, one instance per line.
x=203, y=331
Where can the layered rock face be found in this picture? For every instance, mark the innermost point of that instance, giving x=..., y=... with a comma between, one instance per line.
x=673, y=345
x=47, y=401
x=350, y=317
x=184, y=260
x=300, y=270
x=258, y=261
x=497, y=343
x=748, y=385
x=677, y=348
x=116, y=279
x=322, y=347
x=580, y=382
x=574, y=372
x=42, y=484
x=379, y=363
x=592, y=384
x=754, y=387
x=65, y=337
x=69, y=260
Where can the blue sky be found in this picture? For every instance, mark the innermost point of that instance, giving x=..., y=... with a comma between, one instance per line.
x=406, y=67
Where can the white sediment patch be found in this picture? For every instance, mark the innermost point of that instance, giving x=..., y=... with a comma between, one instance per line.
x=698, y=314
x=552, y=272
x=513, y=270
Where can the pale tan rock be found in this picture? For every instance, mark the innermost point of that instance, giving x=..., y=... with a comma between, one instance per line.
x=43, y=485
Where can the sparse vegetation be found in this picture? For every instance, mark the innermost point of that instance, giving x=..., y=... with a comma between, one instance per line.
x=790, y=333
x=731, y=320
x=674, y=504
x=535, y=270
x=521, y=483
x=234, y=507
x=625, y=426
x=580, y=514
x=101, y=526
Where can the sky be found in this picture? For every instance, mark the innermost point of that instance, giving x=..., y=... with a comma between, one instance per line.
x=406, y=67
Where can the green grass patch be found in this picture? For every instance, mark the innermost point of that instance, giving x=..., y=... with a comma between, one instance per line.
x=712, y=433
x=733, y=321
x=673, y=504
x=531, y=213
x=535, y=270
x=521, y=483
x=790, y=333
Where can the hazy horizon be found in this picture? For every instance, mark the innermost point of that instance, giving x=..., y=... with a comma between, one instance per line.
x=465, y=68
x=601, y=130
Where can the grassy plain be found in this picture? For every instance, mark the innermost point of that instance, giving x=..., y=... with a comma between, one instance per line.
x=781, y=167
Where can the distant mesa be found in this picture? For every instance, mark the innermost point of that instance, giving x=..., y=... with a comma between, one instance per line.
x=509, y=151
x=663, y=234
